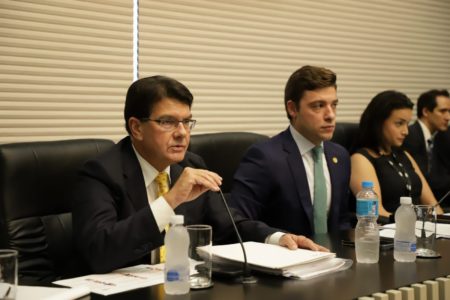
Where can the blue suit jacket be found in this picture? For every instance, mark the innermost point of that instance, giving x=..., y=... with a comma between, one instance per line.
x=271, y=185
x=113, y=224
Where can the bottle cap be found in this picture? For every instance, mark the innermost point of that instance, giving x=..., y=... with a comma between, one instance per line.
x=367, y=184
x=406, y=200
x=177, y=219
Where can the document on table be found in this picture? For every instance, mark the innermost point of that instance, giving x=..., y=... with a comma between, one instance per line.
x=442, y=230
x=118, y=281
x=50, y=293
x=274, y=259
x=121, y=280
x=267, y=255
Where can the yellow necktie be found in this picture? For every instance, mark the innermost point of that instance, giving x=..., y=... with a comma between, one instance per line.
x=162, y=180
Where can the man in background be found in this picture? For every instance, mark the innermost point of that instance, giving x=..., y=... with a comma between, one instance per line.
x=426, y=136
x=298, y=180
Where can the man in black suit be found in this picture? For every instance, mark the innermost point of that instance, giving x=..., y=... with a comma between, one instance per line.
x=118, y=217
x=424, y=139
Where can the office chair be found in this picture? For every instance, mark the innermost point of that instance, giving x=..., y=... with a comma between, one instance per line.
x=345, y=134
x=35, y=215
x=223, y=151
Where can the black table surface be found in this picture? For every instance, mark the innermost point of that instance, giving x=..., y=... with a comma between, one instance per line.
x=359, y=280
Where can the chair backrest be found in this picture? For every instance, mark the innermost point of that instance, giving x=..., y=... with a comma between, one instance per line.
x=345, y=134
x=35, y=213
x=223, y=151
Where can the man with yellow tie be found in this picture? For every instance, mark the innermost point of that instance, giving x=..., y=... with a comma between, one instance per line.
x=123, y=203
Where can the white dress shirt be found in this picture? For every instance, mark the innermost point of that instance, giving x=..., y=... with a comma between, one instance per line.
x=426, y=134
x=160, y=208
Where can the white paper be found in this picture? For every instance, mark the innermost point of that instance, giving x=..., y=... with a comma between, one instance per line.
x=442, y=230
x=267, y=255
x=311, y=270
x=49, y=293
x=120, y=280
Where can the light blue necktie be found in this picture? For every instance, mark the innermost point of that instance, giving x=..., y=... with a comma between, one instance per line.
x=320, y=192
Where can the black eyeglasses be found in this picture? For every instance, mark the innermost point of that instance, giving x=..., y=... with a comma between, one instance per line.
x=170, y=124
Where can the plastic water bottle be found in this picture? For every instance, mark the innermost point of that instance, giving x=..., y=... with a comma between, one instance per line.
x=367, y=201
x=367, y=240
x=176, y=269
x=405, y=226
x=367, y=235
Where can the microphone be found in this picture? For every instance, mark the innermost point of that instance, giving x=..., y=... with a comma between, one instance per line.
x=247, y=277
x=442, y=199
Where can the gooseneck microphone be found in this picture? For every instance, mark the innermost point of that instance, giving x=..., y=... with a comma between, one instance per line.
x=442, y=199
x=246, y=277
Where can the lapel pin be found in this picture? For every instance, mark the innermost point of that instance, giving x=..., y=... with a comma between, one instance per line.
x=335, y=160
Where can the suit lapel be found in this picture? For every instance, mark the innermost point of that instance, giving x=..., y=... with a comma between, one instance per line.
x=421, y=148
x=133, y=178
x=333, y=169
x=420, y=135
x=295, y=163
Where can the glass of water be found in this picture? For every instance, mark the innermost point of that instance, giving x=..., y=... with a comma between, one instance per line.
x=8, y=274
x=200, y=244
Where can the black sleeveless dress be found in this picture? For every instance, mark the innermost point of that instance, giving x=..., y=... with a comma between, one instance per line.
x=392, y=184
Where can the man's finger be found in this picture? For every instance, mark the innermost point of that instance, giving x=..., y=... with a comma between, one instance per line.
x=288, y=241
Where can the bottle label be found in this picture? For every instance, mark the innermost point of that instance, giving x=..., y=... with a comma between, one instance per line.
x=172, y=275
x=404, y=246
x=365, y=207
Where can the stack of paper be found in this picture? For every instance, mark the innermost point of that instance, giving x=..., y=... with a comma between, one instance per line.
x=299, y=263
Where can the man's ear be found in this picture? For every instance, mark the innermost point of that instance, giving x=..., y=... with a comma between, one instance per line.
x=292, y=109
x=135, y=128
x=425, y=112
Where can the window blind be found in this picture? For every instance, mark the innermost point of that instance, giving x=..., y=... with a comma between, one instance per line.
x=65, y=67
x=236, y=56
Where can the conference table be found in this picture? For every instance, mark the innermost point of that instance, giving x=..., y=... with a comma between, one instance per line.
x=359, y=280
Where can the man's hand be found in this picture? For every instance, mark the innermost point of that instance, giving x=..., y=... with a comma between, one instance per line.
x=191, y=184
x=293, y=242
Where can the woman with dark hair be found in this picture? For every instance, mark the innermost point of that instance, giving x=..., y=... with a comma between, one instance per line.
x=379, y=157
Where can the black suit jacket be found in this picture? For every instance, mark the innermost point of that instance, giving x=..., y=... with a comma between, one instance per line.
x=439, y=177
x=271, y=185
x=440, y=170
x=113, y=224
x=415, y=144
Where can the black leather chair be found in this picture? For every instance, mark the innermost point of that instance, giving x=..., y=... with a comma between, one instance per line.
x=35, y=215
x=345, y=134
x=223, y=151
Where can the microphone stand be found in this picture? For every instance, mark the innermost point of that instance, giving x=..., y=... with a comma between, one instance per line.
x=246, y=277
x=442, y=199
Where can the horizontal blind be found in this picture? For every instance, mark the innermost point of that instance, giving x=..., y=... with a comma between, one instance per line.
x=237, y=55
x=65, y=67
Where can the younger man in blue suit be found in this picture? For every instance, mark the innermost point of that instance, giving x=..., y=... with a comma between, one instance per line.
x=298, y=180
